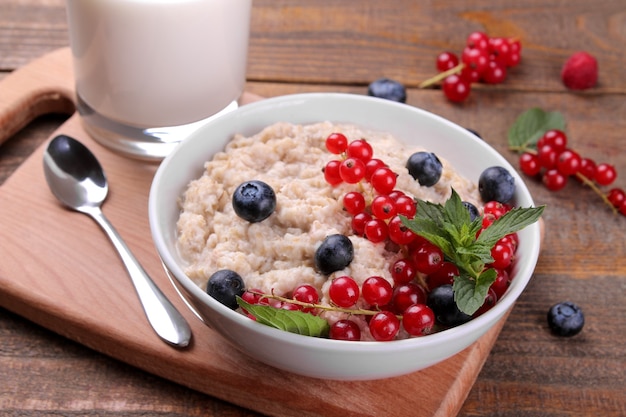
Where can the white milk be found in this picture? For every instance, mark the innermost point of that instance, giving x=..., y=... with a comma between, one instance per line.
x=153, y=63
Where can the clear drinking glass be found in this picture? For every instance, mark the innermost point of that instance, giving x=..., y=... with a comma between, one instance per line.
x=149, y=72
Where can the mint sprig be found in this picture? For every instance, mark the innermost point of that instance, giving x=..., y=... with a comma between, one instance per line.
x=449, y=227
x=530, y=126
x=292, y=321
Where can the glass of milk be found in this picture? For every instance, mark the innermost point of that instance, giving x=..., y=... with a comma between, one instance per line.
x=149, y=72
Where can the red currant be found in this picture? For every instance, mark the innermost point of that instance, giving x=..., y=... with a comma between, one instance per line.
x=502, y=255
x=376, y=230
x=354, y=202
x=428, y=258
x=377, y=291
x=446, y=60
x=352, y=170
x=587, y=168
x=399, y=233
x=360, y=149
x=515, y=53
x=490, y=301
x=306, y=293
x=455, y=88
x=529, y=164
x=383, y=180
x=495, y=73
x=496, y=208
x=475, y=58
x=616, y=196
x=500, y=50
x=344, y=291
x=470, y=75
x=478, y=40
x=384, y=326
x=418, y=320
x=554, y=180
x=336, y=143
x=443, y=276
x=547, y=155
x=345, y=330
x=501, y=284
x=331, y=173
x=605, y=174
x=406, y=295
x=383, y=207
x=555, y=138
x=371, y=166
x=405, y=206
x=359, y=221
x=403, y=271
x=568, y=162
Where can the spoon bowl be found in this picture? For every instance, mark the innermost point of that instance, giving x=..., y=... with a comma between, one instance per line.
x=77, y=180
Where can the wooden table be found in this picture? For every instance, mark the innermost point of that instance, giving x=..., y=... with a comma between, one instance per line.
x=326, y=45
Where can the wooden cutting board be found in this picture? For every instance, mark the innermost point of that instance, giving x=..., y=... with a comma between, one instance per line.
x=59, y=270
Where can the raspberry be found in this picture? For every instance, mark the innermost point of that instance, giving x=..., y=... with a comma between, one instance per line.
x=580, y=71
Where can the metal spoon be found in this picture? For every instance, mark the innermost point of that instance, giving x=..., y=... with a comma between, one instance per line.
x=77, y=179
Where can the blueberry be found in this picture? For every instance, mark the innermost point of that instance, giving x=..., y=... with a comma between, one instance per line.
x=496, y=184
x=441, y=301
x=474, y=132
x=425, y=167
x=334, y=254
x=566, y=319
x=387, y=89
x=254, y=201
x=225, y=285
x=473, y=211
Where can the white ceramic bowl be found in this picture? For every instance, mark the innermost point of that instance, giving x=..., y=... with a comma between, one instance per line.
x=315, y=357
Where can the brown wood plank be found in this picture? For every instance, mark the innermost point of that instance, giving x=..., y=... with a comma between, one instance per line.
x=351, y=42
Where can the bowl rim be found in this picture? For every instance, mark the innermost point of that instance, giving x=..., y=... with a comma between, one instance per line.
x=523, y=273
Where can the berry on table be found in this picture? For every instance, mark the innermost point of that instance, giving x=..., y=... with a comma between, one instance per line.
x=446, y=61
x=483, y=59
x=456, y=88
x=580, y=71
x=566, y=319
x=387, y=89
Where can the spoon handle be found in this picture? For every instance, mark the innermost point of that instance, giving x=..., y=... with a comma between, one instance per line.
x=164, y=318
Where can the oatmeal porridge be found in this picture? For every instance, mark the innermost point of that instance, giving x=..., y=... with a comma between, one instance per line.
x=277, y=254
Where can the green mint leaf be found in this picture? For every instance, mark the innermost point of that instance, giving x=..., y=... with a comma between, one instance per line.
x=469, y=294
x=449, y=227
x=511, y=222
x=531, y=125
x=293, y=321
x=455, y=212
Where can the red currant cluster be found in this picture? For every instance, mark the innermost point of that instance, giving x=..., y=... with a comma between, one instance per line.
x=484, y=59
x=377, y=218
x=555, y=163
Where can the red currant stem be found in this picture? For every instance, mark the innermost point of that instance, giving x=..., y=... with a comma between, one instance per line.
x=320, y=306
x=522, y=149
x=441, y=76
x=597, y=190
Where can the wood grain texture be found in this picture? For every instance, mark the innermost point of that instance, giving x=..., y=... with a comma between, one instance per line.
x=297, y=46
